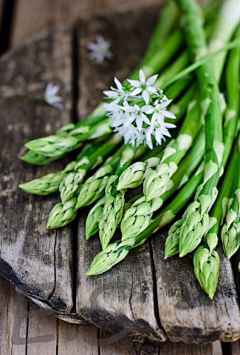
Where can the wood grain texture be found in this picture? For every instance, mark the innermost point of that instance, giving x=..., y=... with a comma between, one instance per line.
x=32, y=257
x=231, y=348
x=186, y=313
x=123, y=297
x=34, y=16
x=38, y=333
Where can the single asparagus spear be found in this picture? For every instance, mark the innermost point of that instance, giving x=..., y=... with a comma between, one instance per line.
x=71, y=182
x=117, y=251
x=58, y=145
x=230, y=233
x=206, y=260
x=49, y=183
x=32, y=157
x=113, y=207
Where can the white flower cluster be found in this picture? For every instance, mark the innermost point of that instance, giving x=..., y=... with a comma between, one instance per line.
x=137, y=110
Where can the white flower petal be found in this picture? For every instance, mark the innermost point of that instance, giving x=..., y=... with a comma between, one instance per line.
x=151, y=89
x=168, y=114
x=118, y=84
x=152, y=79
x=136, y=91
x=145, y=95
x=134, y=83
x=142, y=76
x=164, y=104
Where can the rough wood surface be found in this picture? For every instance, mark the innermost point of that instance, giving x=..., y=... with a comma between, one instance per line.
x=35, y=259
x=47, y=14
x=26, y=329
x=186, y=313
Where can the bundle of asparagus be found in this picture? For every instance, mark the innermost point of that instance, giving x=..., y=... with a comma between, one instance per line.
x=171, y=142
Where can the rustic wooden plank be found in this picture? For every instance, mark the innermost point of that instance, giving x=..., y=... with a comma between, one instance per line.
x=231, y=348
x=125, y=295
x=31, y=257
x=73, y=339
x=169, y=348
x=42, y=334
x=13, y=320
x=186, y=313
x=110, y=343
x=33, y=16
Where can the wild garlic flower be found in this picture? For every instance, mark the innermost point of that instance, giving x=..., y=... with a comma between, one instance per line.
x=143, y=86
x=137, y=111
x=51, y=96
x=99, y=49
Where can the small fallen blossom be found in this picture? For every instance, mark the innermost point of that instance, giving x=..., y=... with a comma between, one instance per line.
x=137, y=111
x=51, y=96
x=100, y=49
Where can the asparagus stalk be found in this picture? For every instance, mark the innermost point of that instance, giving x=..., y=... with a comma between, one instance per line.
x=230, y=233
x=206, y=260
x=117, y=251
x=113, y=207
x=58, y=145
x=49, y=183
x=32, y=157
x=71, y=182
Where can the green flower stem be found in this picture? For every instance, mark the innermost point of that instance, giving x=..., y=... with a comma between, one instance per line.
x=168, y=18
x=49, y=183
x=117, y=251
x=71, y=182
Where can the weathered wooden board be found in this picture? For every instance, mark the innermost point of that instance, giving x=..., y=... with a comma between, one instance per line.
x=30, y=255
x=47, y=14
x=26, y=329
x=186, y=313
x=142, y=295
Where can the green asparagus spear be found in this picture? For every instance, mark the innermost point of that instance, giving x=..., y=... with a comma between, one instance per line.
x=230, y=233
x=71, y=182
x=49, y=183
